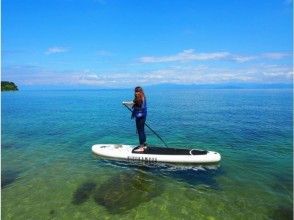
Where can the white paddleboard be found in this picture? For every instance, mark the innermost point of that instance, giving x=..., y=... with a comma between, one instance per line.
x=156, y=154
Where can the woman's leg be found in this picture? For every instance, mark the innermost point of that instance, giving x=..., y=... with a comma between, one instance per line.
x=140, y=124
x=143, y=133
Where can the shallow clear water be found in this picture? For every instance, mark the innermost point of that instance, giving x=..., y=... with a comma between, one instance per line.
x=49, y=172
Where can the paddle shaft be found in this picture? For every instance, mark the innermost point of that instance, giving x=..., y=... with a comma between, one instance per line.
x=149, y=128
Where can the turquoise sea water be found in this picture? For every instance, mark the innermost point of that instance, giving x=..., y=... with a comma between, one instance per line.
x=49, y=172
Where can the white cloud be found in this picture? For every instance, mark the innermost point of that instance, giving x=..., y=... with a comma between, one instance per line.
x=276, y=55
x=192, y=75
x=180, y=74
x=53, y=50
x=191, y=55
x=186, y=55
x=242, y=59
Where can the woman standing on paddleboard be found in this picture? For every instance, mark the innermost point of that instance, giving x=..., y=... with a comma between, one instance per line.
x=139, y=112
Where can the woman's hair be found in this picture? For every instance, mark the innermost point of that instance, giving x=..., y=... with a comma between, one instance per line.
x=139, y=96
x=139, y=89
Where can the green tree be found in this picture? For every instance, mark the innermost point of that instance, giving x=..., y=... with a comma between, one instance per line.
x=8, y=86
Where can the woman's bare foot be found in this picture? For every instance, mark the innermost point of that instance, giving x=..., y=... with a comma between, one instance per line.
x=140, y=149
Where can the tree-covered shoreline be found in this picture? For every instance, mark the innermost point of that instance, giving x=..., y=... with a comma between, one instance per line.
x=8, y=86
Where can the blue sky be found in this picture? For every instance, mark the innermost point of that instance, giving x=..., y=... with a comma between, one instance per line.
x=107, y=43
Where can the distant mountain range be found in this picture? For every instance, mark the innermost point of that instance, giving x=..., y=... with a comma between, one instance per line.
x=227, y=86
x=167, y=86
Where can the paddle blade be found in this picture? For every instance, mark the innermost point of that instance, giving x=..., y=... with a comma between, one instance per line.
x=128, y=104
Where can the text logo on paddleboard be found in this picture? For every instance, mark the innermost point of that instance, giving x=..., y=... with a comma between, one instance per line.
x=149, y=159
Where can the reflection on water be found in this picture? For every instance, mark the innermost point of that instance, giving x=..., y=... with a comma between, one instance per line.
x=191, y=174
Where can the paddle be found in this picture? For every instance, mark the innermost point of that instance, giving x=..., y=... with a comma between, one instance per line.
x=127, y=104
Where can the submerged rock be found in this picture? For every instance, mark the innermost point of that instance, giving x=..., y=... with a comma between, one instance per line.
x=8, y=177
x=83, y=193
x=283, y=213
x=126, y=191
x=7, y=145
